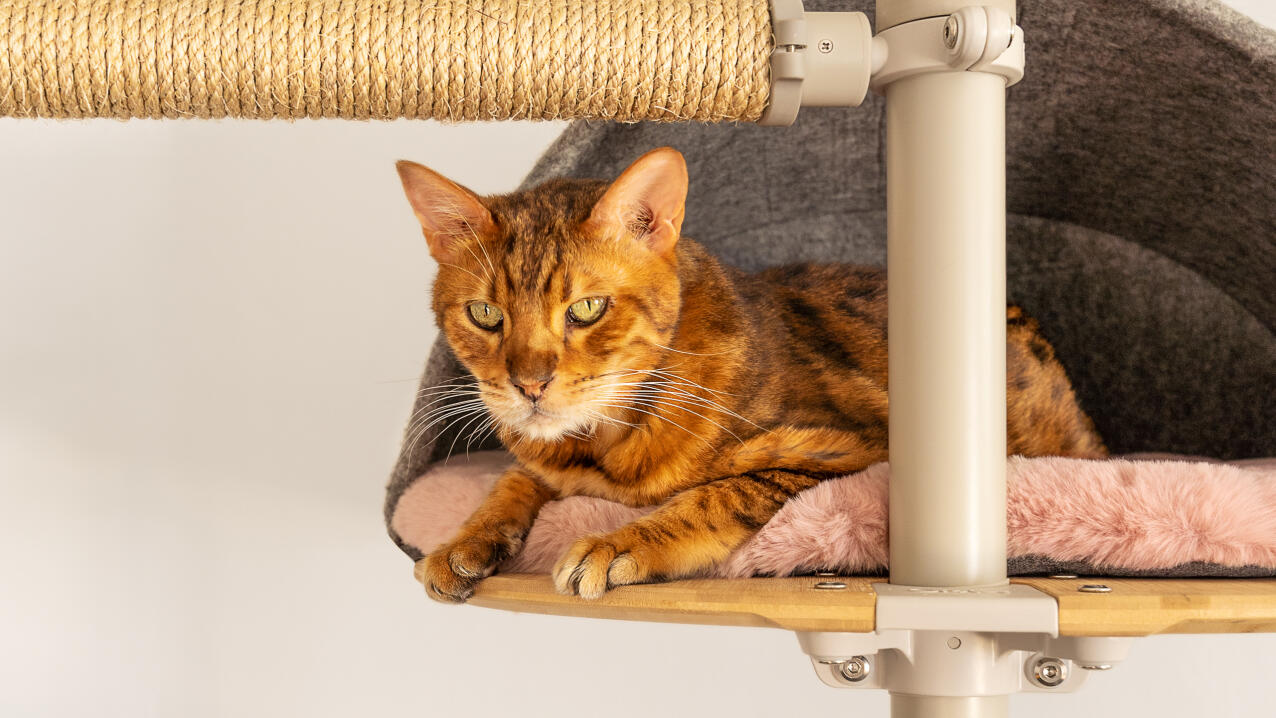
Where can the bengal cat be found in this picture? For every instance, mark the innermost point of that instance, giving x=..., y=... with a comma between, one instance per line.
x=620, y=360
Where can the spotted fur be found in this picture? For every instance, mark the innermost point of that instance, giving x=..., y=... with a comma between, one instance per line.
x=711, y=393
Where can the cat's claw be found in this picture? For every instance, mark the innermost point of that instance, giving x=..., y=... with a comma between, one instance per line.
x=593, y=565
x=452, y=571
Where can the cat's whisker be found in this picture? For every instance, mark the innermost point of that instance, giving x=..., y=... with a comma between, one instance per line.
x=662, y=418
x=441, y=414
x=665, y=374
x=423, y=425
x=482, y=282
x=453, y=384
x=477, y=415
x=674, y=394
x=441, y=390
x=718, y=406
x=675, y=375
x=670, y=404
x=694, y=354
x=599, y=416
x=439, y=399
x=481, y=434
x=491, y=268
x=659, y=388
x=463, y=378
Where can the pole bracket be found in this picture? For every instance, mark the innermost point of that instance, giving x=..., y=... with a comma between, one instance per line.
x=832, y=59
x=961, y=642
x=973, y=39
x=820, y=59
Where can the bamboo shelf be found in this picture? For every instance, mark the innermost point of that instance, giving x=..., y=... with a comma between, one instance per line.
x=1134, y=607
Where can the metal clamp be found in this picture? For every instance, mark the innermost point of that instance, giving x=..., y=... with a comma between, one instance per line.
x=961, y=642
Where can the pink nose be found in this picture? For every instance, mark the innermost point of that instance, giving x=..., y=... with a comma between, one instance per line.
x=533, y=389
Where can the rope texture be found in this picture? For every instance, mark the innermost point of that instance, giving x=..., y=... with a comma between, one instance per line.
x=452, y=60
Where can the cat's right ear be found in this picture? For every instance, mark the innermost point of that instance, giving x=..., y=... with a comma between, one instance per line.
x=449, y=214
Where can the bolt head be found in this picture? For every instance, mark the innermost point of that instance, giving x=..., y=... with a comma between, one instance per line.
x=951, y=32
x=856, y=669
x=1049, y=672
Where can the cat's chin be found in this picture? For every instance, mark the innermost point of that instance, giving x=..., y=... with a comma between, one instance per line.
x=546, y=426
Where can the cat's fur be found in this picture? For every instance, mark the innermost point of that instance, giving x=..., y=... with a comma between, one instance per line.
x=715, y=394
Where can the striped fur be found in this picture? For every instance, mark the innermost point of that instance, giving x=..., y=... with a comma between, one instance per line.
x=710, y=393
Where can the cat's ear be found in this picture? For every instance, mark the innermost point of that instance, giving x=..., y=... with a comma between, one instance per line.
x=449, y=213
x=646, y=202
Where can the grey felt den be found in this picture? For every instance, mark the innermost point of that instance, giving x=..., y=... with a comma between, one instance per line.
x=1141, y=191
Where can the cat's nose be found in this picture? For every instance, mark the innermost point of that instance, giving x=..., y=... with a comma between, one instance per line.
x=533, y=389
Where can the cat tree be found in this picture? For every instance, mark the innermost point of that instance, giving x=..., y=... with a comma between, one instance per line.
x=949, y=635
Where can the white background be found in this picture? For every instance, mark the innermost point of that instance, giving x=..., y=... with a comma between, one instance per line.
x=209, y=338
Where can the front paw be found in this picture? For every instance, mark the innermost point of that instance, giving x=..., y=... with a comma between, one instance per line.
x=452, y=571
x=594, y=564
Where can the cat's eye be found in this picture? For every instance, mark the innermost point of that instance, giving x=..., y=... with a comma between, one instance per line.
x=587, y=311
x=484, y=315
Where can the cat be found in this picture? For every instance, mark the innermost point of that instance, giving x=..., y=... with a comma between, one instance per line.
x=620, y=360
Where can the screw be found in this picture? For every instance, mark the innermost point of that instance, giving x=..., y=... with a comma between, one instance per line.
x=826, y=46
x=856, y=669
x=954, y=643
x=1095, y=588
x=951, y=31
x=1049, y=672
x=830, y=585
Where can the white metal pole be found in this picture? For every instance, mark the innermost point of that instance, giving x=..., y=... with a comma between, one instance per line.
x=945, y=170
x=903, y=706
x=945, y=173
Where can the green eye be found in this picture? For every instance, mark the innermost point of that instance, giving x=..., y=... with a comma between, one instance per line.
x=587, y=311
x=485, y=315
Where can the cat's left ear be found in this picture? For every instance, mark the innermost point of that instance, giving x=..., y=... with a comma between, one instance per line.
x=647, y=201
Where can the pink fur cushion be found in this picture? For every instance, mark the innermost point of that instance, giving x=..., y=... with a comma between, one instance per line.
x=1131, y=516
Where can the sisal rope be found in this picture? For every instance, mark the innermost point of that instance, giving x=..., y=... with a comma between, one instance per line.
x=450, y=60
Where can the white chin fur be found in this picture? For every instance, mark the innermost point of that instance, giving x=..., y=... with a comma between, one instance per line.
x=549, y=427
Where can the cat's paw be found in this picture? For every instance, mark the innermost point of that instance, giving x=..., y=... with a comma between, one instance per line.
x=452, y=571
x=596, y=563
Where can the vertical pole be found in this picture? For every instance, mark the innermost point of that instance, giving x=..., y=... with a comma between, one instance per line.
x=903, y=706
x=946, y=203
x=945, y=170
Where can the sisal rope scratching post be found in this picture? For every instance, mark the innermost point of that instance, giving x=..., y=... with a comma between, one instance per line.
x=452, y=60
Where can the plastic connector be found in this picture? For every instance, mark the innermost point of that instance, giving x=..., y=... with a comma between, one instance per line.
x=821, y=59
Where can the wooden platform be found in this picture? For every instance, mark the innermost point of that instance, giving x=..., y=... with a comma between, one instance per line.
x=1134, y=607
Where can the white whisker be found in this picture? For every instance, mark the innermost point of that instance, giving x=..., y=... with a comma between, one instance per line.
x=694, y=354
x=662, y=418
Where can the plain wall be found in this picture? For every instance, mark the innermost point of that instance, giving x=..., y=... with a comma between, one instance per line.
x=209, y=338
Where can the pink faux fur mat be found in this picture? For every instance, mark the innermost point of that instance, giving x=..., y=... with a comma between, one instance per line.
x=1119, y=515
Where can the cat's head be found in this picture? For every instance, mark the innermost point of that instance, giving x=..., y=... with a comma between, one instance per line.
x=560, y=298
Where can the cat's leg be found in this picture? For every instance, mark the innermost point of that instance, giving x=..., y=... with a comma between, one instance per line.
x=692, y=531
x=492, y=534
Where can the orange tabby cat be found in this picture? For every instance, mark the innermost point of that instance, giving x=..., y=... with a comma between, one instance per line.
x=620, y=360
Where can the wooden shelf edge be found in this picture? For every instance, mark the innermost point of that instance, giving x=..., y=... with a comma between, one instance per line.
x=1149, y=606
x=1134, y=607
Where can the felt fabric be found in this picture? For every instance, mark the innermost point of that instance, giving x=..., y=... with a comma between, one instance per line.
x=1117, y=517
x=1141, y=182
